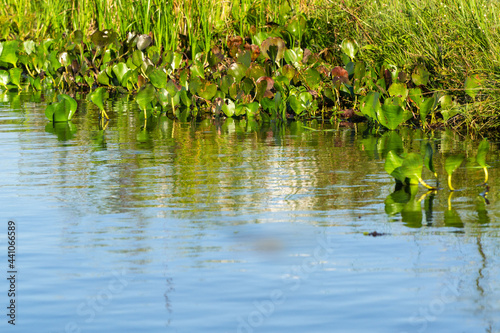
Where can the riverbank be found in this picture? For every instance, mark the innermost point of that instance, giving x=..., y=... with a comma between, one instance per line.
x=426, y=63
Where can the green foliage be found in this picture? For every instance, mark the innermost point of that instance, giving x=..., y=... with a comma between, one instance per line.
x=62, y=110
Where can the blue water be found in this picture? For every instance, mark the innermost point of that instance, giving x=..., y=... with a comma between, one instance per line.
x=213, y=227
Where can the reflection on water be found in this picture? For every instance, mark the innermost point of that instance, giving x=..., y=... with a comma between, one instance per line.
x=231, y=225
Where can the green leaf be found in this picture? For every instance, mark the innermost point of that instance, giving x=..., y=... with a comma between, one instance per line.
x=197, y=69
x=29, y=46
x=97, y=97
x=370, y=105
x=482, y=151
x=8, y=52
x=145, y=96
x=4, y=78
x=425, y=107
x=398, y=90
x=207, y=90
x=416, y=97
x=49, y=112
x=412, y=167
x=237, y=71
x=228, y=108
x=428, y=158
x=297, y=26
x=473, y=85
x=255, y=71
x=312, y=78
x=69, y=105
x=391, y=113
x=349, y=47
x=15, y=76
x=120, y=69
x=103, y=78
x=245, y=58
x=252, y=109
x=420, y=75
x=158, y=78
x=60, y=113
x=225, y=82
x=451, y=164
x=393, y=164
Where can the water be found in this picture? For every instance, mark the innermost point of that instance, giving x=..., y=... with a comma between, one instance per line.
x=231, y=227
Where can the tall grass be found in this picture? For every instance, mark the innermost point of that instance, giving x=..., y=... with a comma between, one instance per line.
x=169, y=21
x=454, y=38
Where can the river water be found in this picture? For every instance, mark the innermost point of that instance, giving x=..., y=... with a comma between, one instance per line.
x=235, y=226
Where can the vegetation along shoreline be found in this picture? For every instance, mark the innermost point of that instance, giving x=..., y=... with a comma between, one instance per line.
x=390, y=63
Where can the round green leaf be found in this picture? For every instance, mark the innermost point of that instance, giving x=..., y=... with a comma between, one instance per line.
x=145, y=96
x=158, y=78
x=237, y=71
x=420, y=75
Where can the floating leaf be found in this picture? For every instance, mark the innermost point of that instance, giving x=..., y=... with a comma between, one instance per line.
x=420, y=75
x=451, y=164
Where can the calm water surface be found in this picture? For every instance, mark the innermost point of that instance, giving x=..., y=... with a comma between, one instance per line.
x=233, y=227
